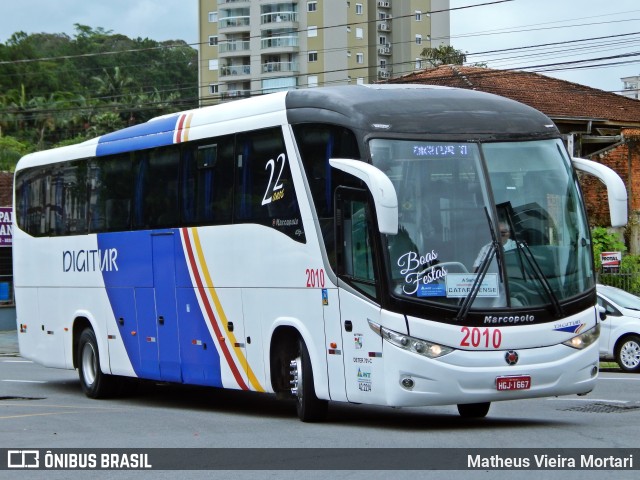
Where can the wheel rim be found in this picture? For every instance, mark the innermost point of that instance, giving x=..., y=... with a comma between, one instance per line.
x=630, y=354
x=296, y=378
x=89, y=364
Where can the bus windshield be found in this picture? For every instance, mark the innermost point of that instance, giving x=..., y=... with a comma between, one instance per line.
x=490, y=224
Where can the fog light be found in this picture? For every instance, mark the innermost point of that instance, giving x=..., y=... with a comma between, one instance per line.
x=407, y=383
x=594, y=371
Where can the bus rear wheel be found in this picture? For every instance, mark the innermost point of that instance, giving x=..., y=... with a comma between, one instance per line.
x=95, y=384
x=308, y=406
x=474, y=410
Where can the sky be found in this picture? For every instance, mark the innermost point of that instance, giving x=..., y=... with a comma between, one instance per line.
x=511, y=29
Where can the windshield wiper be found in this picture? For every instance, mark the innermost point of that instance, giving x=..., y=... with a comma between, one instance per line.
x=539, y=275
x=483, y=268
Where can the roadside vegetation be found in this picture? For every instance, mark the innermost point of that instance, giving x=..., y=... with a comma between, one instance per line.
x=57, y=90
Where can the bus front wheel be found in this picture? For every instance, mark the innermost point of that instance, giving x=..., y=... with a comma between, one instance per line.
x=95, y=384
x=308, y=406
x=474, y=410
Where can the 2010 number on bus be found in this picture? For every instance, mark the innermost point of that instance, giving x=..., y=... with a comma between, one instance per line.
x=481, y=337
x=315, y=277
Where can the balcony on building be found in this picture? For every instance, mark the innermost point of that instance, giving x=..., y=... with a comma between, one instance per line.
x=384, y=73
x=236, y=90
x=385, y=26
x=235, y=70
x=384, y=4
x=281, y=39
x=280, y=18
x=222, y=3
x=231, y=46
x=235, y=20
x=384, y=50
x=278, y=66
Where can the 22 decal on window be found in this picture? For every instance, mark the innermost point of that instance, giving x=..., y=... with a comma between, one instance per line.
x=275, y=190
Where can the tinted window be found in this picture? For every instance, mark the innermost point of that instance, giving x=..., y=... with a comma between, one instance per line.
x=266, y=194
x=207, y=174
x=111, y=180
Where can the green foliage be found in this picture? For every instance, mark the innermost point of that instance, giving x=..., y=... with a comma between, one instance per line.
x=444, y=55
x=10, y=152
x=604, y=241
x=55, y=88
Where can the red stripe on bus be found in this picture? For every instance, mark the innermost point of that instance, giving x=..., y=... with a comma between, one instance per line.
x=183, y=117
x=212, y=318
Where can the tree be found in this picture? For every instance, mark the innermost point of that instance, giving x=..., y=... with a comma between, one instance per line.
x=444, y=55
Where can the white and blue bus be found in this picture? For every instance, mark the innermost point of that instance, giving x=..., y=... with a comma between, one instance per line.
x=385, y=245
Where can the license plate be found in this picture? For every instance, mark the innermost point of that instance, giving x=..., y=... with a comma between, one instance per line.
x=522, y=382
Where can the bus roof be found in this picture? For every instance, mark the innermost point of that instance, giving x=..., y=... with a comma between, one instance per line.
x=424, y=109
x=404, y=108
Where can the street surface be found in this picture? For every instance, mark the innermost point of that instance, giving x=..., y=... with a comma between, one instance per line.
x=45, y=408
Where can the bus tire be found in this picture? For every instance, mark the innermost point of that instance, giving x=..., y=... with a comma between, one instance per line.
x=308, y=406
x=474, y=410
x=95, y=384
x=628, y=353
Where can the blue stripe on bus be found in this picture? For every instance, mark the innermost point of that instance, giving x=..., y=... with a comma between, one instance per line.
x=129, y=281
x=156, y=133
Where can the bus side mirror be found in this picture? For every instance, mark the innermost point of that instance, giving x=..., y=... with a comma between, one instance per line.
x=616, y=191
x=602, y=312
x=384, y=193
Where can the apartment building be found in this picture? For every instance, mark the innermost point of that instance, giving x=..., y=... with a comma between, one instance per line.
x=250, y=47
x=631, y=87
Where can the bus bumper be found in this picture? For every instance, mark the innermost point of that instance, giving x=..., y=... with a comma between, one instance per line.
x=472, y=376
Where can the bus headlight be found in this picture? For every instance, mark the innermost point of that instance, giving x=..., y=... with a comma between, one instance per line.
x=411, y=344
x=584, y=339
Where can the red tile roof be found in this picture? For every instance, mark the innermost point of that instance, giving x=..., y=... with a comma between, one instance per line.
x=556, y=98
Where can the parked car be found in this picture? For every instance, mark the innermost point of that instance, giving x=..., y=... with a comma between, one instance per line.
x=620, y=330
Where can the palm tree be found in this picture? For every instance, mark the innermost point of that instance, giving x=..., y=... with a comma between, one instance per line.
x=113, y=86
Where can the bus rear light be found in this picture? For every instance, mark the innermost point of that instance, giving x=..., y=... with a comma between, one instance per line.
x=584, y=339
x=411, y=344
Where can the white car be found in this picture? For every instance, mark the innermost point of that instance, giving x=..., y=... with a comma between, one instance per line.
x=620, y=330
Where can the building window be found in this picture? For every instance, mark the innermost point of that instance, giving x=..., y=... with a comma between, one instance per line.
x=359, y=57
x=312, y=81
x=214, y=88
x=312, y=31
x=312, y=6
x=213, y=17
x=383, y=64
x=359, y=32
x=418, y=64
x=382, y=40
x=418, y=39
x=418, y=16
x=213, y=40
x=313, y=56
x=358, y=9
x=360, y=80
x=348, y=53
x=213, y=64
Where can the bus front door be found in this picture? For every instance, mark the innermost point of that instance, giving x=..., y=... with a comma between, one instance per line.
x=363, y=367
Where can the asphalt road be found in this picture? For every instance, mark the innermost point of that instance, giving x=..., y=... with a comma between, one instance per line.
x=45, y=408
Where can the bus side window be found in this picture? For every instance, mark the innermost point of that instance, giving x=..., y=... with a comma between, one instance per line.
x=317, y=143
x=30, y=201
x=156, y=194
x=111, y=181
x=265, y=193
x=356, y=248
x=207, y=182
